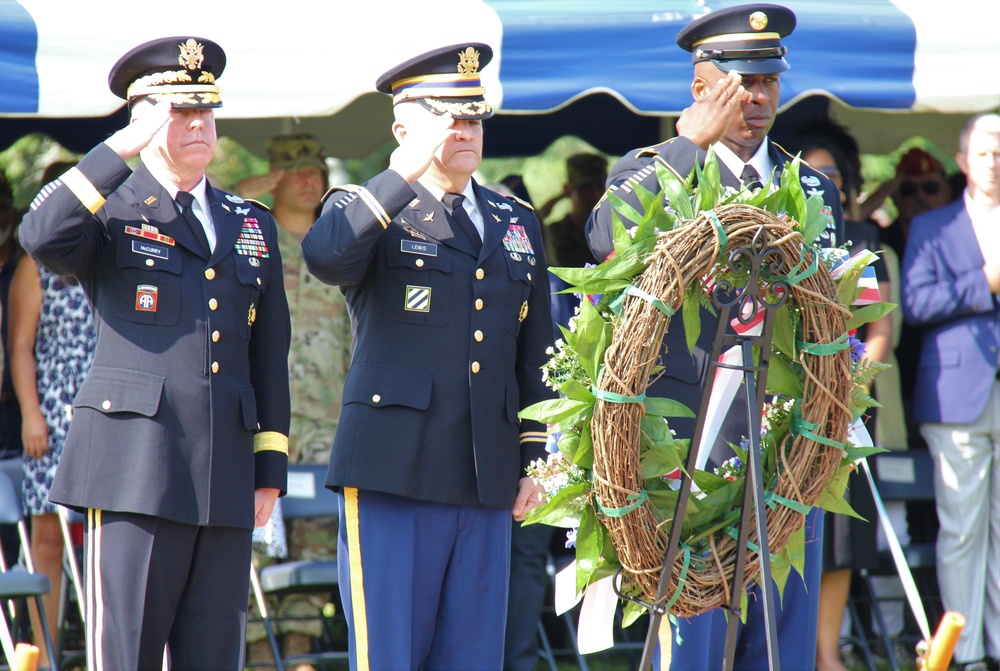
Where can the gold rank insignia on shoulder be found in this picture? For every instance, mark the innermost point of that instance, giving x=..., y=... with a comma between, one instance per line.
x=150, y=200
x=251, y=315
x=523, y=314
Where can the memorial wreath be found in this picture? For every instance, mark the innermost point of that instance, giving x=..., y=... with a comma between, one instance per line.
x=613, y=479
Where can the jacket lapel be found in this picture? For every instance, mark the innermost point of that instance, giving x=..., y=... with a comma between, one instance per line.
x=496, y=218
x=427, y=214
x=156, y=207
x=229, y=213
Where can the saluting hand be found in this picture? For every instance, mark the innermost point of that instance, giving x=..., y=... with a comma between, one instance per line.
x=145, y=123
x=706, y=121
x=418, y=142
x=529, y=495
x=258, y=185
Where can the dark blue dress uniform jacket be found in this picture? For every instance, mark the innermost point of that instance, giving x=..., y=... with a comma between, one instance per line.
x=447, y=342
x=685, y=373
x=180, y=396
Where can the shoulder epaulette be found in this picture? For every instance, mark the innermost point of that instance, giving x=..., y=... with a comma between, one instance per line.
x=522, y=203
x=258, y=204
x=647, y=151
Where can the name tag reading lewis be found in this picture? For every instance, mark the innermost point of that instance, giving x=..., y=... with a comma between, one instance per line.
x=140, y=247
x=421, y=248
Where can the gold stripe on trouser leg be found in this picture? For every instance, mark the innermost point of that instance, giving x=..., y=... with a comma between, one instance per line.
x=357, y=577
x=95, y=599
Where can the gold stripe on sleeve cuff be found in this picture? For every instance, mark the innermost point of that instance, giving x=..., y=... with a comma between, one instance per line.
x=270, y=440
x=534, y=437
x=81, y=187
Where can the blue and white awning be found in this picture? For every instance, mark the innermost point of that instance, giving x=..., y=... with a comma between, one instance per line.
x=298, y=58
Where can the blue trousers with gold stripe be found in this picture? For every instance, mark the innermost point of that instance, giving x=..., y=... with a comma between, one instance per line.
x=152, y=582
x=423, y=585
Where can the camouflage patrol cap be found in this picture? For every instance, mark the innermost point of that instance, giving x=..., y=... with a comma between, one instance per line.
x=292, y=152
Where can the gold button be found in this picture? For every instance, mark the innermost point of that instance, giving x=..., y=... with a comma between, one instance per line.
x=215, y=336
x=478, y=335
x=215, y=366
x=107, y=404
x=212, y=303
x=479, y=303
x=376, y=398
x=150, y=262
x=529, y=277
x=475, y=366
x=258, y=281
x=210, y=274
x=480, y=274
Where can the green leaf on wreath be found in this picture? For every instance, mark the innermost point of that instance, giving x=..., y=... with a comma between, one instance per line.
x=709, y=183
x=781, y=567
x=582, y=446
x=783, y=338
x=552, y=410
x=782, y=378
x=691, y=316
x=575, y=390
x=632, y=612
x=589, y=542
x=623, y=211
x=675, y=190
x=593, y=337
x=869, y=313
x=666, y=407
x=563, y=510
x=816, y=220
x=832, y=498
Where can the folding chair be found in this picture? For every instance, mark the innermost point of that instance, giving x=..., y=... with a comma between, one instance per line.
x=71, y=578
x=904, y=476
x=20, y=582
x=307, y=497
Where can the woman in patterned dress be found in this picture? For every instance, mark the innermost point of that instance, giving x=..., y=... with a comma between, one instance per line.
x=51, y=346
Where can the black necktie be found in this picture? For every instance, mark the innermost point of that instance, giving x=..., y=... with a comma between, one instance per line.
x=750, y=178
x=454, y=202
x=185, y=199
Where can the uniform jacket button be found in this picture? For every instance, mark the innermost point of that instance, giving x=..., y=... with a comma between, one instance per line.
x=475, y=366
x=212, y=304
x=215, y=336
x=215, y=366
x=480, y=274
x=107, y=404
x=479, y=303
x=478, y=335
x=376, y=398
x=210, y=274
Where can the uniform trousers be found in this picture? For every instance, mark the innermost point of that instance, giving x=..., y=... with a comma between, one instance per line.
x=967, y=492
x=153, y=582
x=423, y=585
x=703, y=637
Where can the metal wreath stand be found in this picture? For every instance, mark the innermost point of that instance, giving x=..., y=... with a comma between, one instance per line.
x=749, y=303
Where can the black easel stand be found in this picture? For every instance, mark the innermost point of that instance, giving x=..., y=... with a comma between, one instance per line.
x=749, y=303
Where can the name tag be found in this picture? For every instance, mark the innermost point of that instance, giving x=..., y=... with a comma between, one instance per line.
x=421, y=248
x=140, y=247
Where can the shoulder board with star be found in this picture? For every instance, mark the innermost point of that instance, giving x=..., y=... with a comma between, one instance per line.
x=526, y=205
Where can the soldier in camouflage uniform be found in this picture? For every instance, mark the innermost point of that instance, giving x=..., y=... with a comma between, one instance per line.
x=317, y=362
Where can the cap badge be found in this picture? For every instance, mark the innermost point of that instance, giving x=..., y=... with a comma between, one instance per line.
x=468, y=62
x=191, y=54
x=758, y=20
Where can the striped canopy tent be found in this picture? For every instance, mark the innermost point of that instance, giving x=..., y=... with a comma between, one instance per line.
x=609, y=72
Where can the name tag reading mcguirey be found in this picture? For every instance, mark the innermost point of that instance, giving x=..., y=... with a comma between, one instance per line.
x=416, y=247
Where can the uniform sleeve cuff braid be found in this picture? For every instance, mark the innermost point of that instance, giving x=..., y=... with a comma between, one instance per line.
x=270, y=440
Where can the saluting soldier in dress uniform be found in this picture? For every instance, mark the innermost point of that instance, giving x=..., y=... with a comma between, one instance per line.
x=450, y=311
x=738, y=60
x=178, y=445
